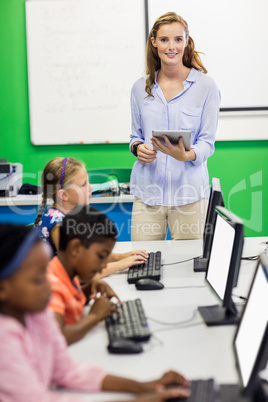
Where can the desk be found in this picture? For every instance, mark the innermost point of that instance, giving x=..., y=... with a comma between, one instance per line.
x=194, y=349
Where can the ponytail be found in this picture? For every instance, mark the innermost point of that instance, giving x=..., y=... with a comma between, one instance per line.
x=42, y=207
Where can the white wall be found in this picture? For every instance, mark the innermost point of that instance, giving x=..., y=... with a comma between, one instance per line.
x=232, y=34
x=242, y=126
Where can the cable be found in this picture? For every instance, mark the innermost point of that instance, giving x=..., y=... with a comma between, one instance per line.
x=184, y=287
x=151, y=346
x=255, y=257
x=174, y=323
x=179, y=262
x=250, y=258
x=239, y=297
x=158, y=339
x=179, y=327
x=4, y=178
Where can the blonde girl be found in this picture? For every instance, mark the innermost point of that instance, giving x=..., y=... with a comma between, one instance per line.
x=65, y=181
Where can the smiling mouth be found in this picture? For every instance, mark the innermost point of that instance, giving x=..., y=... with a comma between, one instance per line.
x=171, y=54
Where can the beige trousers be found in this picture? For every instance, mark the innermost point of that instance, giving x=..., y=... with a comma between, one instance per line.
x=184, y=222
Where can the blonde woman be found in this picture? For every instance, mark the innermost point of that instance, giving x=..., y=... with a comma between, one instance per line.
x=170, y=184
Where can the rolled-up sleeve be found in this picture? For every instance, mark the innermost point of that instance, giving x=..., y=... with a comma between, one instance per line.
x=136, y=130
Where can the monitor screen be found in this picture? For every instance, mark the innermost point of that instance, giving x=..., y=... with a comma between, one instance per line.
x=215, y=199
x=252, y=327
x=220, y=257
x=223, y=267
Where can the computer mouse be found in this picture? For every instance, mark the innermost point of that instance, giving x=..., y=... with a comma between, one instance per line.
x=124, y=346
x=148, y=284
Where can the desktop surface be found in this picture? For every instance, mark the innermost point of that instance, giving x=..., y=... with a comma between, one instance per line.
x=192, y=348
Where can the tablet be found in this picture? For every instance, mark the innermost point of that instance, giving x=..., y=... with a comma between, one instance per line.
x=173, y=136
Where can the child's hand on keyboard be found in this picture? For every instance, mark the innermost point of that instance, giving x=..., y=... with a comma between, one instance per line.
x=102, y=307
x=165, y=395
x=141, y=253
x=172, y=378
x=171, y=385
x=159, y=390
x=133, y=259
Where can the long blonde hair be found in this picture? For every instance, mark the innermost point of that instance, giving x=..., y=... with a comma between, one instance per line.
x=51, y=180
x=190, y=59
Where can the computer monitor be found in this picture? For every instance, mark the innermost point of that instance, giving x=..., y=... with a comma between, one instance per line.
x=223, y=267
x=215, y=199
x=250, y=343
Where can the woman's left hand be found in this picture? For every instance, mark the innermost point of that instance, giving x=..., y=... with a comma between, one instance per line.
x=175, y=151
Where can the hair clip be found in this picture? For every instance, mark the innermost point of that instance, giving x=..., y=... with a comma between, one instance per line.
x=62, y=172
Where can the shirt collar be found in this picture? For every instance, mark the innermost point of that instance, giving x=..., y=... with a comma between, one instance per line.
x=191, y=76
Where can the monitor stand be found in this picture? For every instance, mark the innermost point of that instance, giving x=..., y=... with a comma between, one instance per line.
x=200, y=264
x=259, y=393
x=217, y=315
x=232, y=393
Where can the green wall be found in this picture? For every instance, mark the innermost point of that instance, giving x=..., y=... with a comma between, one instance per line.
x=242, y=166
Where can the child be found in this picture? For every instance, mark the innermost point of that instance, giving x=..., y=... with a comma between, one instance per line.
x=34, y=355
x=87, y=238
x=65, y=181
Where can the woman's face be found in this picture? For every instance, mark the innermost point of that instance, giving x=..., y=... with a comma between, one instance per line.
x=79, y=191
x=170, y=42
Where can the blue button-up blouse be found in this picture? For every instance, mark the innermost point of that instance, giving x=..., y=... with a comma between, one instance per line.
x=166, y=181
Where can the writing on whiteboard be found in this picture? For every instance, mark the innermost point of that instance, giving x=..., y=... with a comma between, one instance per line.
x=82, y=63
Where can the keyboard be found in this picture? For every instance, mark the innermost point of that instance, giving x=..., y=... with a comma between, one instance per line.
x=131, y=323
x=208, y=391
x=231, y=393
x=201, y=391
x=150, y=269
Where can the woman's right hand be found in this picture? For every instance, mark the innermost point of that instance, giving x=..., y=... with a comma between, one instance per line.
x=102, y=307
x=146, y=154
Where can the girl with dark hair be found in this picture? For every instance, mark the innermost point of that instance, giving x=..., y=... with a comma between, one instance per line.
x=34, y=355
x=170, y=184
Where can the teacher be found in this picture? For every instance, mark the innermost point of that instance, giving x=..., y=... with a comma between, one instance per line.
x=170, y=184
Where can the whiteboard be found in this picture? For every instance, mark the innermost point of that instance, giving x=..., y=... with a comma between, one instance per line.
x=83, y=58
x=233, y=35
